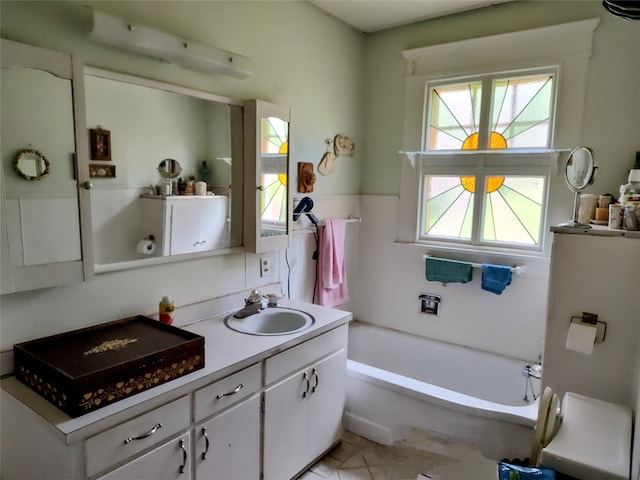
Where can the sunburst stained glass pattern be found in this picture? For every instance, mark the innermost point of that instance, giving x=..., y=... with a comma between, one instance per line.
x=448, y=207
x=521, y=111
x=512, y=208
x=513, y=211
x=274, y=146
x=455, y=115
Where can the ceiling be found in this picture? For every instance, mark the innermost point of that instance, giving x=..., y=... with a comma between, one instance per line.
x=373, y=15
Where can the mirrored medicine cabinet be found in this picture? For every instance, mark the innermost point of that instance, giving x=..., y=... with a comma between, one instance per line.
x=63, y=218
x=266, y=177
x=43, y=194
x=161, y=137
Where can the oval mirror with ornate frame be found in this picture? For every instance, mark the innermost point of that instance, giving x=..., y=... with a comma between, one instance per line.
x=31, y=164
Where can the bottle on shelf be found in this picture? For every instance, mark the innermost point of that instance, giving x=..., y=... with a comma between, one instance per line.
x=203, y=173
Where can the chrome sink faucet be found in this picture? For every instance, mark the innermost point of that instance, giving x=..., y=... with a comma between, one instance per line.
x=253, y=304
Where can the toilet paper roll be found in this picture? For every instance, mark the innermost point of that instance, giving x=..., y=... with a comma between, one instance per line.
x=146, y=247
x=581, y=337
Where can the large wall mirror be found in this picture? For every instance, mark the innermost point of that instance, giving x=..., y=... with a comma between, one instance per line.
x=162, y=141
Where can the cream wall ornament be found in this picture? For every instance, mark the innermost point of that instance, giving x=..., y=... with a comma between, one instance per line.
x=328, y=163
x=343, y=146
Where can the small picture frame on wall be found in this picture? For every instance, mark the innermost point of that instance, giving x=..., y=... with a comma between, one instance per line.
x=99, y=170
x=100, y=141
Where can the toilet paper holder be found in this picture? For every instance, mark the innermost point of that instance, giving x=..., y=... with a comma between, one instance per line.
x=592, y=319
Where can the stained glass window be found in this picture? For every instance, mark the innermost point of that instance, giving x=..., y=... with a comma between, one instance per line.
x=511, y=208
x=520, y=114
x=274, y=148
x=521, y=111
x=492, y=112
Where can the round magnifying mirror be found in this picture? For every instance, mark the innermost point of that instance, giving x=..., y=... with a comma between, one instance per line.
x=580, y=169
x=579, y=173
x=169, y=168
x=31, y=164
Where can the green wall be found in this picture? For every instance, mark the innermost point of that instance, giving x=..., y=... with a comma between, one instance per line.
x=301, y=58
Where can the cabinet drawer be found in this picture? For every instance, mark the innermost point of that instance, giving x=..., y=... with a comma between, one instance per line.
x=227, y=391
x=301, y=355
x=139, y=433
x=167, y=462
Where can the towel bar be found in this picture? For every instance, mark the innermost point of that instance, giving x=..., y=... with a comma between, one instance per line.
x=518, y=269
x=322, y=222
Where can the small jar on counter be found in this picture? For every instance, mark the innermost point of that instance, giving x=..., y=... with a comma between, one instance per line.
x=167, y=308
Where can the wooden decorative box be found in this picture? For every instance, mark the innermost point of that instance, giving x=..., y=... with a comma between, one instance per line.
x=86, y=369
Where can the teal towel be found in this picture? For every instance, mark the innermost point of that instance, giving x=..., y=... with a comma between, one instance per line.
x=495, y=278
x=448, y=271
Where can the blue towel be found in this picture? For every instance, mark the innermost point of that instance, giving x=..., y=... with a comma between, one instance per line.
x=448, y=271
x=495, y=278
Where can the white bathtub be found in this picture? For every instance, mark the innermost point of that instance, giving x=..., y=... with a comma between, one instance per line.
x=396, y=381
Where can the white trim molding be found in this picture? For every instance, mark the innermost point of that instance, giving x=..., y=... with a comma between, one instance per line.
x=567, y=47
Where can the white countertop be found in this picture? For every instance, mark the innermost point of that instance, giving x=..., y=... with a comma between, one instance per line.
x=226, y=351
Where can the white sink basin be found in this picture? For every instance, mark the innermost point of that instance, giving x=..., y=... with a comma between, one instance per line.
x=271, y=321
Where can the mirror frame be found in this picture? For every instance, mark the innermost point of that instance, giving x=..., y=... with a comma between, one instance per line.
x=589, y=178
x=591, y=170
x=254, y=241
x=237, y=168
x=24, y=154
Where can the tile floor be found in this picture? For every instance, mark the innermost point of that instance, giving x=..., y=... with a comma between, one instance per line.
x=356, y=458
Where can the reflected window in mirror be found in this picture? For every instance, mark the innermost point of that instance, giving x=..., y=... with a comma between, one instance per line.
x=274, y=144
x=161, y=135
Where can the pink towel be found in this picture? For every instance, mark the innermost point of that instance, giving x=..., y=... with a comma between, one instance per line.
x=332, y=275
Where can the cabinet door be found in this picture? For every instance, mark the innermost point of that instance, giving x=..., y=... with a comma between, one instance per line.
x=42, y=129
x=303, y=416
x=169, y=461
x=228, y=446
x=326, y=402
x=266, y=137
x=285, y=431
x=185, y=227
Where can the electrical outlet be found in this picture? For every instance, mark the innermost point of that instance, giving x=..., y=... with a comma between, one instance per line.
x=265, y=266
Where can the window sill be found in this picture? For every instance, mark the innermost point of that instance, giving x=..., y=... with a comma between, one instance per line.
x=478, y=254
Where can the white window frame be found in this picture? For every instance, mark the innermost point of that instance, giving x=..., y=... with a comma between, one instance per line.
x=511, y=162
x=565, y=48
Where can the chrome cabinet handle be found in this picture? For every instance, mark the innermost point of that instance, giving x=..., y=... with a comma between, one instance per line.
x=87, y=185
x=144, y=435
x=206, y=443
x=236, y=390
x=184, y=456
x=314, y=372
x=305, y=377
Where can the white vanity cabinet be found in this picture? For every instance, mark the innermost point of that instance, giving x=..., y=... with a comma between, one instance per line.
x=270, y=419
x=303, y=406
x=186, y=224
